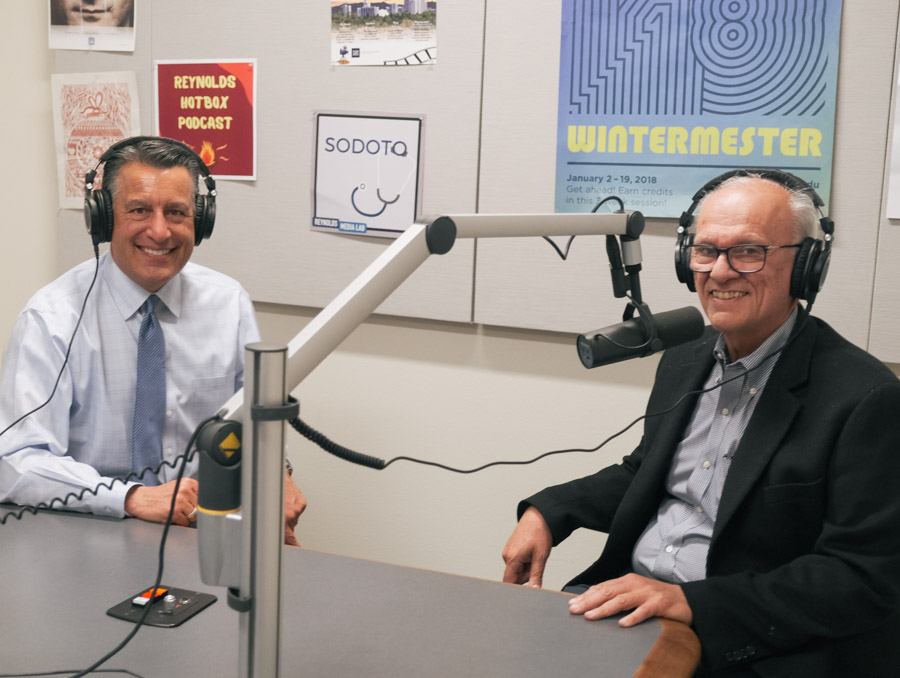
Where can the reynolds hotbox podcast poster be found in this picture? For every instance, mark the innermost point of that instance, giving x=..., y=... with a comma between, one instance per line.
x=657, y=97
x=209, y=104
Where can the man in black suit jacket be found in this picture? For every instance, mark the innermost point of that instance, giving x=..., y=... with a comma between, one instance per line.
x=798, y=572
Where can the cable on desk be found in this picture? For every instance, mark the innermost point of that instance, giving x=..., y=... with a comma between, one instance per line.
x=162, y=551
x=60, y=502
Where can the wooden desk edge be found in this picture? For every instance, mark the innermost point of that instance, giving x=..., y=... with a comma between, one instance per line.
x=675, y=654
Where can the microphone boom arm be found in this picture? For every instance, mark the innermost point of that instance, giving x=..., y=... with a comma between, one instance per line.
x=429, y=235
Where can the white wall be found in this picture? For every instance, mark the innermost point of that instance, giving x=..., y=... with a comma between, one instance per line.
x=458, y=394
x=28, y=170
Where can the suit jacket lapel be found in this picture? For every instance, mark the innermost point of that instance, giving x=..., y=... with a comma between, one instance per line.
x=681, y=377
x=770, y=422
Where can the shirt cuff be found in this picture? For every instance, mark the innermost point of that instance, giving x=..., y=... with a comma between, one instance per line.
x=111, y=502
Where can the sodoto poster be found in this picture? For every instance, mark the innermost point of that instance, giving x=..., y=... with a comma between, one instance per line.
x=658, y=97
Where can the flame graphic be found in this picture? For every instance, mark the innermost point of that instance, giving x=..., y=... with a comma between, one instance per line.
x=208, y=153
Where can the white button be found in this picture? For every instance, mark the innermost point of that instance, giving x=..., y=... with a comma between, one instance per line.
x=669, y=548
x=706, y=464
x=170, y=414
x=725, y=410
x=699, y=509
x=752, y=391
x=718, y=380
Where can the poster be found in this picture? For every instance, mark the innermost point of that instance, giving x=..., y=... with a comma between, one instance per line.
x=106, y=25
x=210, y=105
x=385, y=33
x=368, y=173
x=91, y=112
x=657, y=97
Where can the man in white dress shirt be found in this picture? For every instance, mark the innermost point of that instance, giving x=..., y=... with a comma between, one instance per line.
x=81, y=439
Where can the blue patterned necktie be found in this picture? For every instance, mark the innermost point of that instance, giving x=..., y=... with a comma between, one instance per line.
x=150, y=394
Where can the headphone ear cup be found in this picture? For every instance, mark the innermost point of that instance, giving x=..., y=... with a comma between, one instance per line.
x=98, y=216
x=682, y=259
x=818, y=271
x=804, y=263
x=204, y=218
x=105, y=200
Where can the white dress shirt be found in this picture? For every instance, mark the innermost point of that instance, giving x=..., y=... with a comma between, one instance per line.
x=82, y=438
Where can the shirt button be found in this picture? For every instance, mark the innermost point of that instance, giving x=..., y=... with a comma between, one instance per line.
x=725, y=410
x=752, y=391
x=669, y=549
x=706, y=464
x=170, y=414
x=699, y=509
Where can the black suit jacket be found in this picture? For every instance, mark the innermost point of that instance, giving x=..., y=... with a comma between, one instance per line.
x=803, y=571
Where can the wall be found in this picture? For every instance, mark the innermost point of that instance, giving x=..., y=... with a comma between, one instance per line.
x=29, y=166
x=458, y=393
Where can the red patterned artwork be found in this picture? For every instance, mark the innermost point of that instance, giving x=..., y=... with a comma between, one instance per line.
x=93, y=117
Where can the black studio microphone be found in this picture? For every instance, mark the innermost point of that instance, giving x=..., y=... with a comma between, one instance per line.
x=639, y=337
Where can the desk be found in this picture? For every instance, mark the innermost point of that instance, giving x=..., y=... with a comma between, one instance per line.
x=341, y=616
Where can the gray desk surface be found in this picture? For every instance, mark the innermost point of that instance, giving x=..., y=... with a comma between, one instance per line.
x=342, y=616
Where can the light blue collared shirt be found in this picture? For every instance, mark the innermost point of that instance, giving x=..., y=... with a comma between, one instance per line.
x=83, y=436
x=675, y=544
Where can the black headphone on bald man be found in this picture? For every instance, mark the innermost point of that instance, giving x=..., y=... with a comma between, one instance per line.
x=811, y=263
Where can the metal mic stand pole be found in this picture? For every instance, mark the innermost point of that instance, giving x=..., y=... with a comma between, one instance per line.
x=262, y=509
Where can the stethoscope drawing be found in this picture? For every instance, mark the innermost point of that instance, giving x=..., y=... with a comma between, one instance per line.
x=384, y=203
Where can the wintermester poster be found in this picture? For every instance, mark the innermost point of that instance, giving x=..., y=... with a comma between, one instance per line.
x=210, y=106
x=657, y=97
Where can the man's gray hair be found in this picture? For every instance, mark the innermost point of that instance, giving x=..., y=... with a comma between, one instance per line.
x=155, y=152
x=806, y=214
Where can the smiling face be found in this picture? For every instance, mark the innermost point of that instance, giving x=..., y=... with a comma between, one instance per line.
x=153, y=223
x=747, y=307
x=94, y=12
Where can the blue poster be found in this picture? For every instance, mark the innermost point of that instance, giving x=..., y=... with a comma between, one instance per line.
x=656, y=97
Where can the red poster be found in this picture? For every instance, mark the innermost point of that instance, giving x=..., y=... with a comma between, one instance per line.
x=210, y=106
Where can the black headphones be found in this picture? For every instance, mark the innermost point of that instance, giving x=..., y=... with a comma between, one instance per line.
x=98, y=204
x=811, y=263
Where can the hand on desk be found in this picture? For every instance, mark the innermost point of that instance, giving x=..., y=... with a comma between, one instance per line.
x=152, y=502
x=646, y=597
x=294, y=505
x=527, y=550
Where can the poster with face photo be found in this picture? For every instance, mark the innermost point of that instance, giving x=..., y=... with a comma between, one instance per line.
x=106, y=25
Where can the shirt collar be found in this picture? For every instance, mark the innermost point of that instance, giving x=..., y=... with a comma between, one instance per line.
x=768, y=349
x=128, y=296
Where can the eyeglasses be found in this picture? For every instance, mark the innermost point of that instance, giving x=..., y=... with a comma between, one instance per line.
x=741, y=258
